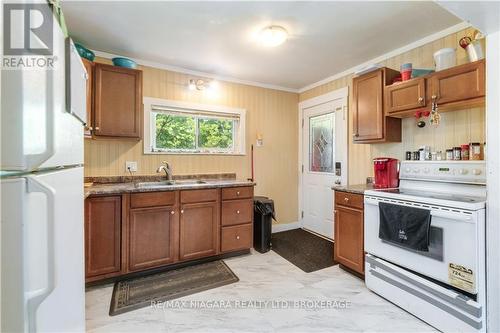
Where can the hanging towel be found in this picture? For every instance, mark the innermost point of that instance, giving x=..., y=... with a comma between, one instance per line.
x=405, y=226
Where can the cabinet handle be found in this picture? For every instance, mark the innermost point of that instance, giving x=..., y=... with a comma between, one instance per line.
x=335, y=212
x=346, y=199
x=182, y=211
x=97, y=128
x=237, y=237
x=237, y=212
x=238, y=193
x=420, y=99
x=172, y=212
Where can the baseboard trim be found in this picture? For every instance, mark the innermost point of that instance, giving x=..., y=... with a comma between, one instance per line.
x=285, y=226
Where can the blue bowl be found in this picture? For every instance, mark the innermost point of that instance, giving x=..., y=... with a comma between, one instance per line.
x=416, y=72
x=124, y=62
x=84, y=52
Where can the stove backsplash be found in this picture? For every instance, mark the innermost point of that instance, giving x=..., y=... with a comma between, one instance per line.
x=456, y=128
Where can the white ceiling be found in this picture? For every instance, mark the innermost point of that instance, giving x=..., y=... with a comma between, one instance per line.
x=217, y=37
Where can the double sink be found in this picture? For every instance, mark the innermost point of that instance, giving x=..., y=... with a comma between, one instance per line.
x=170, y=183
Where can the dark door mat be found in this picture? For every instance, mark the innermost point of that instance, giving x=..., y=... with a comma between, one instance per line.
x=139, y=292
x=304, y=249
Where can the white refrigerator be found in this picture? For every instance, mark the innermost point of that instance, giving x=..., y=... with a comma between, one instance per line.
x=41, y=195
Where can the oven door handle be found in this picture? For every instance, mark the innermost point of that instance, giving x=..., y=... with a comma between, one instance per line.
x=452, y=216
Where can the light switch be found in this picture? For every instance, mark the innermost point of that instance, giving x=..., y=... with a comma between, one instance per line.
x=130, y=166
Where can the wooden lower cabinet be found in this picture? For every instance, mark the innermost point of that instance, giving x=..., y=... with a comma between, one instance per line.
x=349, y=236
x=153, y=237
x=140, y=231
x=102, y=236
x=199, y=230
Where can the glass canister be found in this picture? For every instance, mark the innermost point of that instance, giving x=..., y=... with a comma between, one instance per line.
x=449, y=154
x=465, y=152
x=475, y=151
x=457, y=153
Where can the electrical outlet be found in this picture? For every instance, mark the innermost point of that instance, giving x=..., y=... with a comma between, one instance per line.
x=130, y=166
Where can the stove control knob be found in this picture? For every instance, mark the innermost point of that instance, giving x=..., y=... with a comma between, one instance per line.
x=476, y=172
x=463, y=171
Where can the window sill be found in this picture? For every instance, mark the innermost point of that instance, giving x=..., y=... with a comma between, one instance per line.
x=192, y=153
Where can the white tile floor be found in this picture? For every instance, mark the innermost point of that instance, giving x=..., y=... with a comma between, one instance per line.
x=264, y=277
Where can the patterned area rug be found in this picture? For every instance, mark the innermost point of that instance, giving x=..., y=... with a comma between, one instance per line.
x=304, y=249
x=140, y=292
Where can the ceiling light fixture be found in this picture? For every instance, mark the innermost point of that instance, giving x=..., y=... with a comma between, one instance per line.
x=273, y=35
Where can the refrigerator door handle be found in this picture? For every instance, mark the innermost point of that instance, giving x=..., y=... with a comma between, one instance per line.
x=35, y=160
x=36, y=297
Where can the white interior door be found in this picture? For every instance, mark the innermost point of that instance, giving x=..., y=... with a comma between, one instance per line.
x=324, y=162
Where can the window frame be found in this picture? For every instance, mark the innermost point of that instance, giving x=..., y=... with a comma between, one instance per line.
x=199, y=111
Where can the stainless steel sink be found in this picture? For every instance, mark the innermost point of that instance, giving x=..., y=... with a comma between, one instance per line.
x=170, y=183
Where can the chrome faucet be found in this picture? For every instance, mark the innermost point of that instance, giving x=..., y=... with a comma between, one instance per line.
x=166, y=168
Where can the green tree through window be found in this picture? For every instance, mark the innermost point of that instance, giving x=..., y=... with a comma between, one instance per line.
x=193, y=133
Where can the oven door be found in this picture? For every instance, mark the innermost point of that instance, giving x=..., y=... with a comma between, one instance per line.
x=456, y=239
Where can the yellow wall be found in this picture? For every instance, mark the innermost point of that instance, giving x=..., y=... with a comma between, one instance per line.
x=456, y=127
x=272, y=113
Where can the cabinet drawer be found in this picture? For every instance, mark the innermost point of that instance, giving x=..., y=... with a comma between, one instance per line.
x=194, y=196
x=237, y=237
x=349, y=199
x=237, y=212
x=237, y=193
x=152, y=199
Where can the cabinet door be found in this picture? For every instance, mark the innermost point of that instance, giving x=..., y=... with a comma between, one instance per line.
x=368, y=110
x=348, y=245
x=459, y=83
x=117, y=101
x=405, y=96
x=153, y=237
x=102, y=236
x=199, y=230
x=89, y=67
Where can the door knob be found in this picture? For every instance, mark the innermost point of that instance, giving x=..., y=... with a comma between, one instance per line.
x=237, y=212
x=172, y=212
x=182, y=211
x=237, y=237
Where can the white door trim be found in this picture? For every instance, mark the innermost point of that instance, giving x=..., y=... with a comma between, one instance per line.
x=341, y=93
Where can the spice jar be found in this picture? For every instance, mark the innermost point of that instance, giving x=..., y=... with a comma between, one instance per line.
x=475, y=151
x=408, y=156
x=465, y=152
x=416, y=155
x=449, y=154
x=439, y=155
x=457, y=153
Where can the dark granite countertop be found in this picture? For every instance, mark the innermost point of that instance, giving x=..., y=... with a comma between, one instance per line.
x=357, y=189
x=131, y=187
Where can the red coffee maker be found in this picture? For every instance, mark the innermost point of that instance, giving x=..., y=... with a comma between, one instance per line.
x=386, y=171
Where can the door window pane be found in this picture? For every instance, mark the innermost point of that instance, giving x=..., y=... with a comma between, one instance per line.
x=321, y=143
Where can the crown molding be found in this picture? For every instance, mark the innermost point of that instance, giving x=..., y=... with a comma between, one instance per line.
x=440, y=34
x=196, y=73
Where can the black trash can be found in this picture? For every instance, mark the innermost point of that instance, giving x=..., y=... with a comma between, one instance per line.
x=263, y=213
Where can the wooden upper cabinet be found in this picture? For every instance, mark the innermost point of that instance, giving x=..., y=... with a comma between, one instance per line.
x=89, y=67
x=153, y=237
x=405, y=96
x=369, y=121
x=460, y=83
x=199, y=229
x=117, y=101
x=102, y=236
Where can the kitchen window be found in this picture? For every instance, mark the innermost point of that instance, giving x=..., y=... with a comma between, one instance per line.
x=173, y=127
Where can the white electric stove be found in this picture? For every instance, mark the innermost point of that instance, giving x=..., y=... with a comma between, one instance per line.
x=444, y=286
